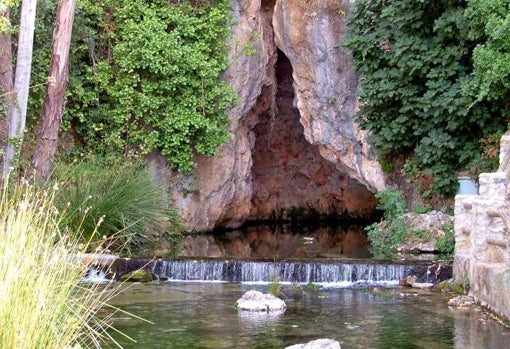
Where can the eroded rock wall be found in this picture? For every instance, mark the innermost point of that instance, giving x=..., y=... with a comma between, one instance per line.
x=294, y=142
x=310, y=35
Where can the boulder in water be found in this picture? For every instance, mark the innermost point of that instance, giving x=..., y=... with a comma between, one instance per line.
x=258, y=301
x=323, y=343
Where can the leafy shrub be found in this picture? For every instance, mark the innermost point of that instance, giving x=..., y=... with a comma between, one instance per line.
x=119, y=199
x=394, y=229
x=491, y=73
x=446, y=243
x=149, y=77
x=391, y=202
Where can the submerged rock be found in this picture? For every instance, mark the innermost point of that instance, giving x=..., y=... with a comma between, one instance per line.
x=323, y=343
x=137, y=276
x=461, y=301
x=258, y=301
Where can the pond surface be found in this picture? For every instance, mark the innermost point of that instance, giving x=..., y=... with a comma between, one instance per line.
x=281, y=242
x=202, y=315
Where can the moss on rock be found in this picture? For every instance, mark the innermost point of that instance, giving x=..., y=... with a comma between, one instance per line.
x=139, y=275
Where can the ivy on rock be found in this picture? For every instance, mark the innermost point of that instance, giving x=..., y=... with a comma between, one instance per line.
x=414, y=59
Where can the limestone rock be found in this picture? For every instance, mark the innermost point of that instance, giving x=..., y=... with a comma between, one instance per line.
x=433, y=225
x=432, y=221
x=423, y=285
x=259, y=302
x=325, y=84
x=295, y=145
x=323, y=343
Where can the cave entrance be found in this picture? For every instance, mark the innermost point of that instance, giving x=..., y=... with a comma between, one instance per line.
x=290, y=177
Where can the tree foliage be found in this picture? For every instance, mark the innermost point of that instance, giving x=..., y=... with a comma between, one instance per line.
x=153, y=79
x=413, y=58
x=143, y=75
x=491, y=58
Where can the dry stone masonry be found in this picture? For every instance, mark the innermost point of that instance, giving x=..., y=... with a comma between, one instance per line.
x=482, y=252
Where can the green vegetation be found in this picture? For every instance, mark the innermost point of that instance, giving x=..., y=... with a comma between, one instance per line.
x=394, y=229
x=122, y=201
x=490, y=20
x=446, y=243
x=311, y=287
x=414, y=61
x=457, y=286
x=144, y=76
x=43, y=304
x=137, y=276
x=274, y=286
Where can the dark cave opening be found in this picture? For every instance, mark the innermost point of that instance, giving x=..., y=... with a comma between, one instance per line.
x=290, y=178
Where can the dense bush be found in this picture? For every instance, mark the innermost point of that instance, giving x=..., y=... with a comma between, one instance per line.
x=490, y=20
x=414, y=59
x=394, y=229
x=153, y=79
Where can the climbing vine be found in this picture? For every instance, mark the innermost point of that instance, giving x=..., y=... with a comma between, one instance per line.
x=491, y=57
x=152, y=78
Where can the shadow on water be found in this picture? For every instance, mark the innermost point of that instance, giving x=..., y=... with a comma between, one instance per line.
x=280, y=242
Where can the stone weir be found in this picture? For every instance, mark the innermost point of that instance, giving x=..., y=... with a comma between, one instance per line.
x=333, y=273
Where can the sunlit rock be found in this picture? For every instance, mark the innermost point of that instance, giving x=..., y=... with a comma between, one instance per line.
x=462, y=301
x=137, y=276
x=259, y=302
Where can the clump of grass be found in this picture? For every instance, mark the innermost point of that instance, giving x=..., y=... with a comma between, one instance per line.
x=135, y=212
x=43, y=303
x=274, y=286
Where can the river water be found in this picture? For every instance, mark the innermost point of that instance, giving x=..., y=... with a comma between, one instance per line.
x=200, y=314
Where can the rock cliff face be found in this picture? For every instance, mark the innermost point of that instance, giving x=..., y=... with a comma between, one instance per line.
x=295, y=146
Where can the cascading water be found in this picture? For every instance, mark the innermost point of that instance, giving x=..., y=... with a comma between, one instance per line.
x=334, y=273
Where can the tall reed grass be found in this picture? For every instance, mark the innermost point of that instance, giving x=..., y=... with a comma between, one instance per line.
x=131, y=204
x=43, y=302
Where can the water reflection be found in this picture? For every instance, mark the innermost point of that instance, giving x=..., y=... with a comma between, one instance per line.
x=264, y=242
x=201, y=315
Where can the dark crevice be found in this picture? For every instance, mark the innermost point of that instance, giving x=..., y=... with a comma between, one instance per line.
x=291, y=180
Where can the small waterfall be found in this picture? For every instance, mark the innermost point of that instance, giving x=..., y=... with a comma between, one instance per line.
x=344, y=273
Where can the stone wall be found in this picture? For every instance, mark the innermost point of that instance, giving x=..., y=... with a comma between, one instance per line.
x=482, y=245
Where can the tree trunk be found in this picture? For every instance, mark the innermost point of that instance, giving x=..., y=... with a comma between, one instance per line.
x=17, y=113
x=6, y=77
x=42, y=160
